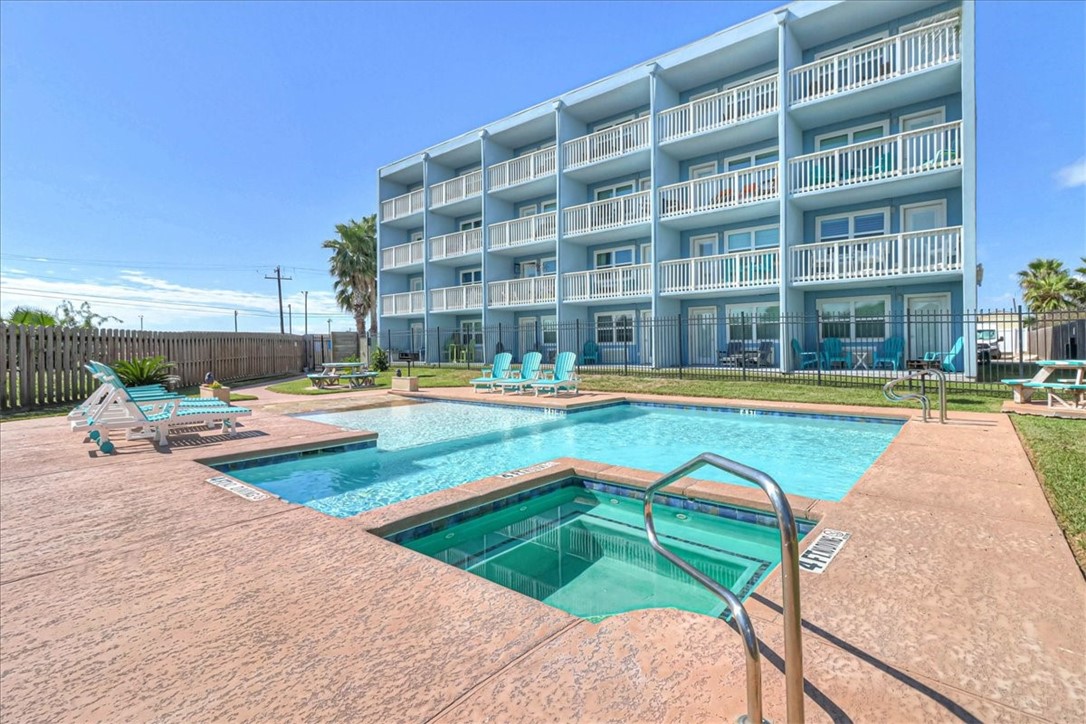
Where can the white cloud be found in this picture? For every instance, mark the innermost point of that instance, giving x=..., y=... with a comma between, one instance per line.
x=1072, y=175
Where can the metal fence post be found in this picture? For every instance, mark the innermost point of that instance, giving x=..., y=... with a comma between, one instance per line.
x=679, y=356
x=818, y=346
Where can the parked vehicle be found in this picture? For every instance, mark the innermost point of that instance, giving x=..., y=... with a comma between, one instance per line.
x=988, y=345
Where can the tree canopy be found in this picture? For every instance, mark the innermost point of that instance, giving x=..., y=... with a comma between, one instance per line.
x=1048, y=286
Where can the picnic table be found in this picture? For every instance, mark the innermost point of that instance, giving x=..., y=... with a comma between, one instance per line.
x=356, y=374
x=1073, y=373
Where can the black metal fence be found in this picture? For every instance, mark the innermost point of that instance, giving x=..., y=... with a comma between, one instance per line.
x=848, y=346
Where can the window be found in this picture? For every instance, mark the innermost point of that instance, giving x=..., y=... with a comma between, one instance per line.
x=920, y=217
x=644, y=184
x=704, y=245
x=614, y=328
x=549, y=206
x=548, y=265
x=702, y=170
x=760, y=237
x=609, y=192
x=859, y=318
x=837, y=139
x=471, y=276
x=852, y=44
x=704, y=94
x=416, y=235
x=549, y=324
x=646, y=253
x=753, y=322
x=529, y=269
x=858, y=224
x=526, y=210
x=924, y=119
x=623, y=256
x=756, y=158
x=471, y=331
x=416, y=284
x=469, y=224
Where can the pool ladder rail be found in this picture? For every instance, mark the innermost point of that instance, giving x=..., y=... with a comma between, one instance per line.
x=786, y=525
x=925, y=404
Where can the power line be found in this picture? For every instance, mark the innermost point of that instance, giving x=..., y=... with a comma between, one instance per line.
x=153, y=266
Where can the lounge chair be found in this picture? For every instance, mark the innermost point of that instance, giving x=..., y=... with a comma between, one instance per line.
x=590, y=353
x=734, y=356
x=109, y=393
x=946, y=360
x=832, y=352
x=803, y=359
x=500, y=371
x=765, y=354
x=529, y=373
x=564, y=378
x=889, y=352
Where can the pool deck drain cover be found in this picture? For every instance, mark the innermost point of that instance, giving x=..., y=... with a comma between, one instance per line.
x=239, y=489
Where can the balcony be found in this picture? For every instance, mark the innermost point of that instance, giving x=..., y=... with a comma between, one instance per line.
x=403, y=207
x=533, y=291
x=721, y=272
x=402, y=256
x=695, y=128
x=888, y=71
x=714, y=199
x=531, y=233
x=610, y=218
x=525, y=176
x=403, y=305
x=456, y=191
x=611, y=152
x=917, y=155
x=930, y=253
x=452, y=299
x=457, y=244
x=624, y=282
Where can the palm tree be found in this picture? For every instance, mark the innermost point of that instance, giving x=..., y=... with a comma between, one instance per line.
x=31, y=317
x=353, y=264
x=1078, y=290
x=1047, y=286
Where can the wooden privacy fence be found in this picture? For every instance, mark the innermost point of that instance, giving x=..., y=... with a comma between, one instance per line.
x=43, y=366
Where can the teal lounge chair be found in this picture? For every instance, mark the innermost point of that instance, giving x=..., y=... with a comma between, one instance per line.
x=591, y=353
x=564, y=378
x=889, y=352
x=499, y=372
x=803, y=359
x=949, y=358
x=832, y=352
x=529, y=373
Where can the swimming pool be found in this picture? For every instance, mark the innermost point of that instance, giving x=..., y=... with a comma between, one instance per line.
x=580, y=546
x=436, y=445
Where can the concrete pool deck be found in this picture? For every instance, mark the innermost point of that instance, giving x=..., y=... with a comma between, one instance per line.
x=132, y=589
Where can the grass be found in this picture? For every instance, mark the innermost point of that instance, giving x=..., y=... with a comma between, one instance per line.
x=428, y=377
x=1057, y=449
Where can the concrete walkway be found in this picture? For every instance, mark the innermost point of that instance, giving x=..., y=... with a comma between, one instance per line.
x=132, y=589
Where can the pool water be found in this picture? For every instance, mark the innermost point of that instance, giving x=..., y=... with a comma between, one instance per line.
x=586, y=553
x=431, y=446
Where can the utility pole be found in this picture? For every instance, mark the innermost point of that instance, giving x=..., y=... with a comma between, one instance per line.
x=290, y=316
x=141, y=322
x=329, y=328
x=235, y=320
x=305, y=295
x=279, y=278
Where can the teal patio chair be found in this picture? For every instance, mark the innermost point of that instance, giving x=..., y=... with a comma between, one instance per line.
x=889, y=352
x=564, y=378
x=500, y=371
x=946, y=361
x=529, y=373
x=590, y=353
x=803, y=359
x=832, y=352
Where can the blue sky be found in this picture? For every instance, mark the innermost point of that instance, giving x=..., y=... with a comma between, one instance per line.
x=160, y=159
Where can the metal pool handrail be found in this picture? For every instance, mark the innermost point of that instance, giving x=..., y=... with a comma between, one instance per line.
x=786, y=524
x=925, y=404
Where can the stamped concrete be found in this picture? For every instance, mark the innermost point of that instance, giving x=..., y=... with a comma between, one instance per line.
x=130, y=589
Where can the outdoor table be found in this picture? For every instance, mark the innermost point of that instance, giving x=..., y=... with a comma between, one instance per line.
x=1050, y=367
x=860, y=358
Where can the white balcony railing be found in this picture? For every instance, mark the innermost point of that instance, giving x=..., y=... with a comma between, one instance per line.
x=929, y=149
x=528, y=230
x=734, y=105
x=608, y=143
x=933, y=251
x=722, y=191
x=616, y=283
x=401, y=206
x=893, y=57
x=456, y=244
x=457, y=189
x=402, y=255
x=608, y=214
x=522, y=169
x=448, y=299
x=518, y=292
x=722, y=271
x=405, y=303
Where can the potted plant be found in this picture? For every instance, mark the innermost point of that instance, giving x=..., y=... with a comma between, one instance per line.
x=216, y=390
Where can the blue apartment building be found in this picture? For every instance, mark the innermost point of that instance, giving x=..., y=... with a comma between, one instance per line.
x=814, y=160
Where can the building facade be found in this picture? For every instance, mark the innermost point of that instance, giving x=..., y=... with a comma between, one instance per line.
x=818, y=160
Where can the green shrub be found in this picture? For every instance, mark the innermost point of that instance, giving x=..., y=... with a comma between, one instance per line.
x=143, y=371
x=379, y=359
x=351, y=359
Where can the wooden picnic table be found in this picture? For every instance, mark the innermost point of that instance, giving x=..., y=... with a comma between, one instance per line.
x=357, y=374
x=1050, y=367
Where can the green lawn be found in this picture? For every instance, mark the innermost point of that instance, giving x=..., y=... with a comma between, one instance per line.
x=1057, y=449
x=428, y=377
